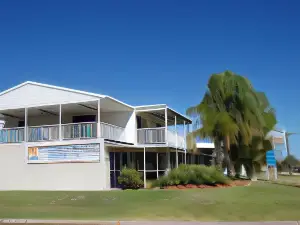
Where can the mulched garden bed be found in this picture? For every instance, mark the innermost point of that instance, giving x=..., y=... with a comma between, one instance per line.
x=232, y=184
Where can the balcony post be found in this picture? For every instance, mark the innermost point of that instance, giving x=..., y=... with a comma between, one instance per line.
x=166, y=125
x=176, y=141
x=157, y=165
x=60, y=127
x=25, y=125
x=145, y=185
x=168, y=160
x=184, y=135
x=98, y=120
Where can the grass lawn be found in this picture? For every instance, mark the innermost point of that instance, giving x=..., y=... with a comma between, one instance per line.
x=283, y=179
x=260, y=201
x=293, y=179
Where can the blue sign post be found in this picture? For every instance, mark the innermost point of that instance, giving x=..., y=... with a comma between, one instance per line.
x=271, y=164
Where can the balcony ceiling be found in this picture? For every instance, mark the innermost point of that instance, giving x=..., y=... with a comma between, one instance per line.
x=160, y=115
x=107, y=105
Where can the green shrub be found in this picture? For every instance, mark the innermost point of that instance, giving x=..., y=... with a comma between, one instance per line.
x=192, y=174
x=130, y=179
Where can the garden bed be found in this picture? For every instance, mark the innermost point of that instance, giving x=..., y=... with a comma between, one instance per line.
x=234, y=183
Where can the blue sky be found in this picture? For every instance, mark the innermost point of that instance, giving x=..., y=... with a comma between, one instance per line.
x=149, y=52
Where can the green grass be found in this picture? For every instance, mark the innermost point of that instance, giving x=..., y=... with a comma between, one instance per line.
x=260, y=201
x=283, y=179
x=293, y=179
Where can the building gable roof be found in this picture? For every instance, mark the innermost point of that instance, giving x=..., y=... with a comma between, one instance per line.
x=10, y=98
x=53, y=87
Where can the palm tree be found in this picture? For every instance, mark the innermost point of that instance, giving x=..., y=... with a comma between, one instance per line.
x=230, y=114
x=253, y=154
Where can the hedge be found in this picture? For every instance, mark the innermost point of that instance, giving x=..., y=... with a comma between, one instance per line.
x=192, y=174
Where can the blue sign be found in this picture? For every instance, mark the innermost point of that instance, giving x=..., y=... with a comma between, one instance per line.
x=64, y=153
x=271, y=160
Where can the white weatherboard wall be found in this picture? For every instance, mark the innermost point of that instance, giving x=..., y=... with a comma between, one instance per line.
x=125, y=119
x=117, y=118
x=16, y=174
x=30, y=95
x=130, y=130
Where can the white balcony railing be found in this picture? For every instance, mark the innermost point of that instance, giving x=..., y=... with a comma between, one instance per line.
x=68, y=132
x=112, y=132
x=89, y=130
x=43, y=133
x=79, y=130
x=151, y=135
x=175, y=140
x=157, y=136
x=12, y=135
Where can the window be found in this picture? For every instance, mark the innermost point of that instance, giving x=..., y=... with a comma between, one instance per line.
x=85, y=118
x=21, y=123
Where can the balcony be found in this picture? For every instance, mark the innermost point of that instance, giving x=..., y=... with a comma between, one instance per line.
x=151, y=135
x=69, y=131
x=158, y=136
x=79, y=130
x=112, y=132
x=176, y=140
x=12, y=135
x=43, y=133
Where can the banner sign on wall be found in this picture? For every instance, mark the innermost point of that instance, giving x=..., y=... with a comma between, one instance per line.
x=64, y=153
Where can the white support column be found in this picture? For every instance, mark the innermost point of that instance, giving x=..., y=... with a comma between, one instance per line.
x=157, y=165
x=184, y=135
x=60, y=127
x=115, y=177
x=166, y=125
x=26, y=125
x=168, y=160
x=175, y=124
x=145, y=184
x=98, y=121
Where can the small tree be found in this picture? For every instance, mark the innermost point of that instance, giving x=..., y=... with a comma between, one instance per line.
x=130, y=179
x=291, y=161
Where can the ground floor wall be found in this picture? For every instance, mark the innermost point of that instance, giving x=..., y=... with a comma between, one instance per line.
x=17, y=174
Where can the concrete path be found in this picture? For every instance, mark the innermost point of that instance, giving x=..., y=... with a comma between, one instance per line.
x=94, y=222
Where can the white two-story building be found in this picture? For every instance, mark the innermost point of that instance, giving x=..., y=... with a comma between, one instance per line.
x=54, y=138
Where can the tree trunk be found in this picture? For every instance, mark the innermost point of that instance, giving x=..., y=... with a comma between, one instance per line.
x=228, y=162
x=218, y=155
x=253, y=176
x=237, y=169
x=250, y=170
